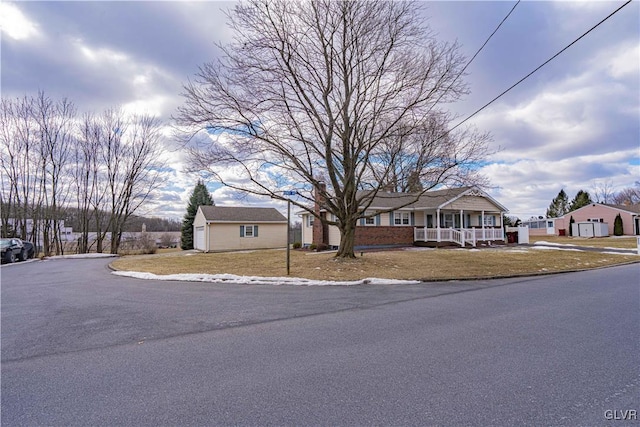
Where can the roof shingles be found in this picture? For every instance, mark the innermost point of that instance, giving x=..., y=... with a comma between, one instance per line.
x=241, y=214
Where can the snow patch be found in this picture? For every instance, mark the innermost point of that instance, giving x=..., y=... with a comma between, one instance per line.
x=256, y=280
x=556, y=248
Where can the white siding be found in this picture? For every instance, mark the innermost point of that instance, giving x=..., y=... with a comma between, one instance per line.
x=223, y=237
x=472, y=203
x=307, y=232
x=334, y=236
x=199, y=223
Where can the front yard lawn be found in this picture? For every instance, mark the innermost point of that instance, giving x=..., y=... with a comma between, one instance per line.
x=410, y=264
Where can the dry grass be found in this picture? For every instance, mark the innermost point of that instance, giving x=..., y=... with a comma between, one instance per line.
x=438, y=264
x=622, y=242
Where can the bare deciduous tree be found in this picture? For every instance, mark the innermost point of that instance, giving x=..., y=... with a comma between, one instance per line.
x=87, y=182
x=131, y=153
x=628, y=196
x=55, y=121
x=409, y=169
x=603, y=192
x=328, y=92
x=20, y=164
x=106, y=166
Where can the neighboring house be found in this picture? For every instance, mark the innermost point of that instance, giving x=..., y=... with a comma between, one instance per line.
x=464, y=216
x=541, y=226
x=604, y=213
x=66, y=234
x=224, y=228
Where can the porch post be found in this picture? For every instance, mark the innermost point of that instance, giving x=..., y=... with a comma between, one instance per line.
x=462, y=227
x=438, y=223
x=484, y=236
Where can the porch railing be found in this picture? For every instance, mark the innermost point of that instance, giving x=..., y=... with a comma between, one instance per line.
x=460, y=236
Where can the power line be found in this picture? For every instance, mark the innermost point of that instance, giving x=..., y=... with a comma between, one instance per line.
x=474, y=56
x=539, y=67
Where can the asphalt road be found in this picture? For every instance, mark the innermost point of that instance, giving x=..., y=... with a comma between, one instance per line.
x=83, y=347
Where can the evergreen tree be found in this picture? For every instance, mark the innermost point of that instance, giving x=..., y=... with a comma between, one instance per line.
x=617, y=226
x=571, y=222
x=200, y=196
x=559, y=206
x=582, y=199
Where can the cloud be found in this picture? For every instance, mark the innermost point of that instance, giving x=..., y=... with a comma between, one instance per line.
x=14, y=23
x=527, y=186
x=569, y=125
x=593, y=110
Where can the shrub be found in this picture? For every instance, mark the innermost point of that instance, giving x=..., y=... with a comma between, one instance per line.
x=312, y=246
x=571, y=222
x=297, y=245
x=322, y=247
x=618, y=230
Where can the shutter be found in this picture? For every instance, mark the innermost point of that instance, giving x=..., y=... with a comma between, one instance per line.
x=242, y=231
x=392, y=218
x=255, y=231
x=378, y=219
x=413, y=218
x=362, y=221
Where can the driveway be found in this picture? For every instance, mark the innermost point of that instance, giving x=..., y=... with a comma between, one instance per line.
x=81, y=346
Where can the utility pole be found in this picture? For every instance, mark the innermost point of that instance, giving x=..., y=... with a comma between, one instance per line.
x=289, y=193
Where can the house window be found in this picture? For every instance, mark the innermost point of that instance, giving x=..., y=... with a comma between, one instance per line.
x=248, y=231
x=310, y=219
x=489, y=220
x=401, y=218
x=448, y=221
x=369, y=220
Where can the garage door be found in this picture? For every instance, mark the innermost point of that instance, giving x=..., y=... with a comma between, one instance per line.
x=586, y=230
x=198, y=241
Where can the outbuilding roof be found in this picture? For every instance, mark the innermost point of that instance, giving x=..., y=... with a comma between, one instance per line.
x=629, y=208
x=241, y=214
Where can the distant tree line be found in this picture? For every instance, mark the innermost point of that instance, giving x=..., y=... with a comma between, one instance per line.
x=103, y=165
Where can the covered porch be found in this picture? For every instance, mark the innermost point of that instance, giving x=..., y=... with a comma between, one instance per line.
x=464, y=228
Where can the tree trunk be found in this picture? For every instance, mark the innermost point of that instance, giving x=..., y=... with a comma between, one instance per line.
x=347, y=240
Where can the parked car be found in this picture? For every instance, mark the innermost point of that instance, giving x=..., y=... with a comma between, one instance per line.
x=12, y=250
x=31, y=251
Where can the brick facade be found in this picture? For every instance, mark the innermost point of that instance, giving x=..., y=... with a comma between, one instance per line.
x=320, y=230
x=384, y=235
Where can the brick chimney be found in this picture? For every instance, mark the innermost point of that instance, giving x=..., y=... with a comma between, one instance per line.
x=320, y=230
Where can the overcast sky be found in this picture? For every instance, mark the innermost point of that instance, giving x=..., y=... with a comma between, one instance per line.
x=573, y=125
